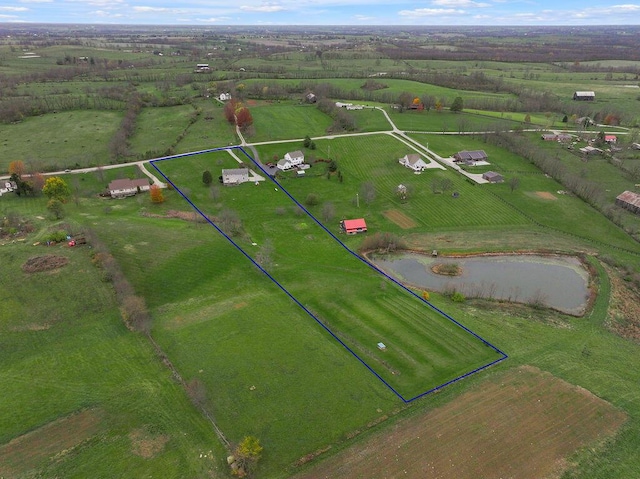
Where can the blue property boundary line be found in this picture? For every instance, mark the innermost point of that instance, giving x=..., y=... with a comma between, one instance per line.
x=353, y=253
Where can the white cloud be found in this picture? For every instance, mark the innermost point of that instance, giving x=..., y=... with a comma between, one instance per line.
x=8, y=16
x=36, y=1
x=430, y=12
x=266, y=8
x=213, y=20
x=144, y=9
x=14, y=9
x=460, y=3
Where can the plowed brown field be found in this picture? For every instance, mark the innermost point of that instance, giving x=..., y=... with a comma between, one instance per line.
x=521, y=424
x=399, y=218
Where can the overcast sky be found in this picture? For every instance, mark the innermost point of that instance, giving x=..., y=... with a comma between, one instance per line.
x=324, y=12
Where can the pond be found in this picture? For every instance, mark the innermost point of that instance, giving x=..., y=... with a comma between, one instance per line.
x=558, y=282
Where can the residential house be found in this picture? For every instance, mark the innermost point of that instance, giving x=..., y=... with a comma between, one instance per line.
x=470, y=157
x=235, y=176
x=630, y=201
x=224, y=96
x=127, y=187
x=584, y=95
x=549, y=136
x=291, y=160
x=610, y=139
x=493, y=177
x=413, y=161
x=202, y=68
x=311, y=97
x=352, y=227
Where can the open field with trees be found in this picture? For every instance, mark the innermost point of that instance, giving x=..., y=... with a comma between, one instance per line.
x=158, y=347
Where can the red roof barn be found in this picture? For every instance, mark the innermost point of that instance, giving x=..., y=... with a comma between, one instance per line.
x=352, y=227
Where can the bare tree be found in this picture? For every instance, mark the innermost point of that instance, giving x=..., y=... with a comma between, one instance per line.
x=514, y=182
x=368, y=192
x=328, y=211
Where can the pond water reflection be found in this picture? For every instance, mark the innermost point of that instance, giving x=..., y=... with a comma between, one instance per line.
x=559, y=282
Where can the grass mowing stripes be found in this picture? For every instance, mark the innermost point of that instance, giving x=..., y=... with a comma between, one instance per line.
x=313, y=250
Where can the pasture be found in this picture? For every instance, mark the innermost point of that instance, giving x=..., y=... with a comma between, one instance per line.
x=77, y=384
x=74, y=138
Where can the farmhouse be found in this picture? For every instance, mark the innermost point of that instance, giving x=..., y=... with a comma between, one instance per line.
x=610, y=139
x=493, y=177
x=470, y=157
x=584, y=96
x=224, y=96
x=291, y=160
x=311, y=97
x=413, y=161
x=235, y=176
x=202, y=68
x=352, y=227
x=126, y=187
x=630, y=201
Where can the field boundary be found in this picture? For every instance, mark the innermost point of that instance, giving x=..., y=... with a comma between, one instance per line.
x=353, y=253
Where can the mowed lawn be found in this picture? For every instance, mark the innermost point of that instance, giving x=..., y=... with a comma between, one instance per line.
x=81, y=395
x=361, y=306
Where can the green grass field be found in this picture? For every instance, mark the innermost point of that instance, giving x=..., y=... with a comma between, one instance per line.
x=77, y=138
x=64, y=351
x=82, y=396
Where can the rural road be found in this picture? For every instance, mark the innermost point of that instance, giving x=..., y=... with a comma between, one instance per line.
x=436, y=161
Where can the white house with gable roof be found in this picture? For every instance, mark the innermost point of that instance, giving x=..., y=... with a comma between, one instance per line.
x=291, y=160
x=413, y=161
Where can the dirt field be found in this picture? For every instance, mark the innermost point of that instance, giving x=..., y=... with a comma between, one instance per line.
x=22, y=454
x=546, y=195
x=44, y=263
x=521, y=424
x=399, y=218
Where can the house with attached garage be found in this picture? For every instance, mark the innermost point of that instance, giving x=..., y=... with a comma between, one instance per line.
x=235, y=176
x=470, y=157
x=413, y=161
x=126, y=187
x=291, y=160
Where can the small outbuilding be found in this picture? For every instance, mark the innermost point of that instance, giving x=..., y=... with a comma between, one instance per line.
x=629, y=201
x=493, y=177
x=584, y=95
x=352, y=227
